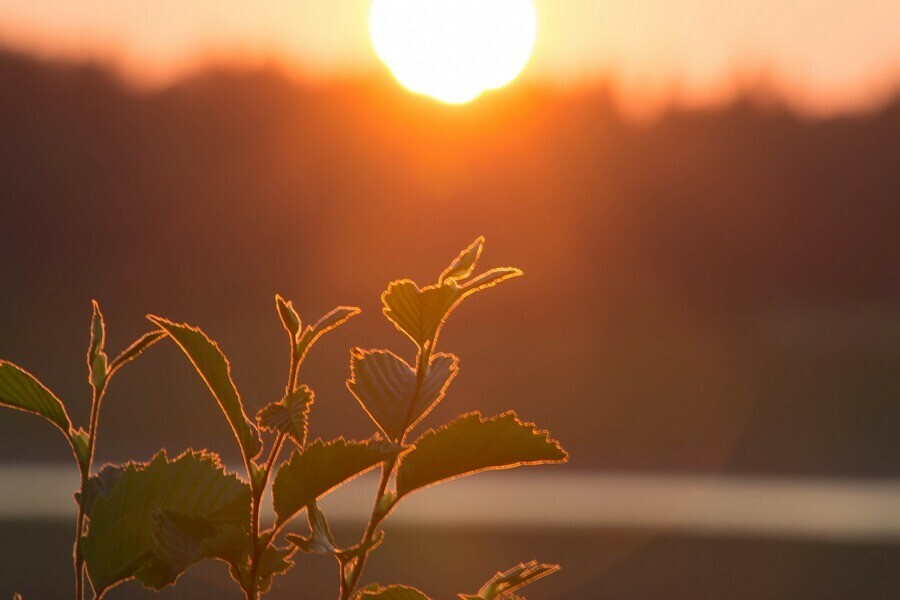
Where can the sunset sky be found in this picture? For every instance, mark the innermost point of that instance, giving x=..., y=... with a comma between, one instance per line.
x=824, y=55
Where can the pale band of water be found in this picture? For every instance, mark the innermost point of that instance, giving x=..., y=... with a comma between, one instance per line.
x=797, y=508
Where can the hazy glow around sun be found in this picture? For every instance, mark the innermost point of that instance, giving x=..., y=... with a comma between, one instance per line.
x=453, y=50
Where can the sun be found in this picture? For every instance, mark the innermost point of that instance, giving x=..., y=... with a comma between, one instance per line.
x=453, y=50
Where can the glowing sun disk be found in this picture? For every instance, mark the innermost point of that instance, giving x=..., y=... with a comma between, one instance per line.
x=453, y=50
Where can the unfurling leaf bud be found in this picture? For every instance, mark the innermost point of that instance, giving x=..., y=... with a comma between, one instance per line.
x=289, y=317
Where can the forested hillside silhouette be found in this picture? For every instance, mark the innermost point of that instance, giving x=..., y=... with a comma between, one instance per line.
x=715, y=290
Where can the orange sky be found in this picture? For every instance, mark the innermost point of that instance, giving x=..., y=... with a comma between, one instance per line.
x=825, y=55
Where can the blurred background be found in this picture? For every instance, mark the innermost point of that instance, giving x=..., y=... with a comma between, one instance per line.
x=705, y=199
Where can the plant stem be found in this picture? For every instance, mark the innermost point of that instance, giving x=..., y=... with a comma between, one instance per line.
x=348, y=584
x=76, y=551
x=347, y=587
x=78, y=558
x=256, y=499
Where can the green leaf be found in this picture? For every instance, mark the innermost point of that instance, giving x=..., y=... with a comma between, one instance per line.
x=135, y=350
x=392, y=592
x=320, y=468
x=213, y=367
x=463, y=265
x=332, y=320
x=320, y=540
x=20, y=389
x=419, y=313
x=257, y=476
x=289, y=415
x=472, y=444
x=488, y=279
x=502, y=585
x=100, y=485
x=120, y=542
x=273, y=561
x=289, y=317
x=336, y=317
x=96, y=358
x=386, y=387
x=80, y=440
x=181, y=541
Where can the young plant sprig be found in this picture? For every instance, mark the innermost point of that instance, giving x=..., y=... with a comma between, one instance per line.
x=151, y=521
x=21, y=390
x=253, y=556
x=397, y=396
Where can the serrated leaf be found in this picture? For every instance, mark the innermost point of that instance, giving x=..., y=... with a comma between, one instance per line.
x=419, y=313
x=120, y=541
x=392, y=592
x=463, y=264
x=181, y=541
x=96, y=358
x=502, y=585
x=100, y=485
x=213, y=367
x=320, y=468
x=289, y=415
x=21, y=390
x=472, y=444
x=273, y=561
x=386, y=387
x=289, y=317
x=135, y=349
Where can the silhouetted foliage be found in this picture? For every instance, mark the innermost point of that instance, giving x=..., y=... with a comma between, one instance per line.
x=152, y=521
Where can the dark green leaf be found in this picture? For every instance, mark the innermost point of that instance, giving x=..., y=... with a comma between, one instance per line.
x=385, y=385
x=392, y=592
x=320, y=468
x=289, y=415
x=181, y=541
x=213, y=367
x=472, y=444
x=463, y=265
x=135, y=349
x=19, y=389
x=419, y=313
x=502, y=585
x=100, y=485
x=120, y=542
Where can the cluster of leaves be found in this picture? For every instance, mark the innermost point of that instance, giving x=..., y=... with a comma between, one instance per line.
x=151, y=521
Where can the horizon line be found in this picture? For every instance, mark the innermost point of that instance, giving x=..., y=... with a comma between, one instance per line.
x=800, y=508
